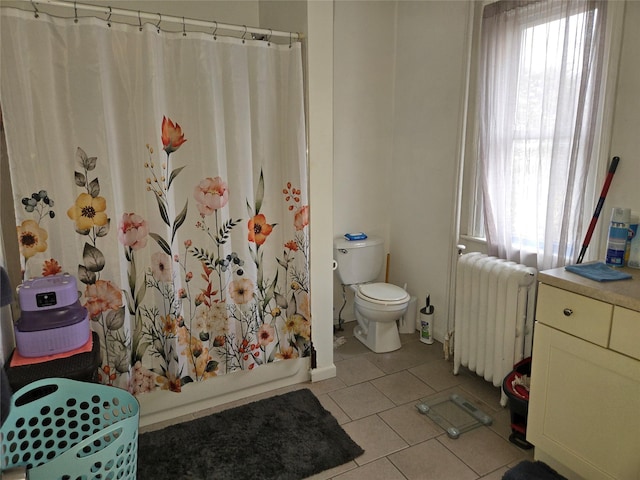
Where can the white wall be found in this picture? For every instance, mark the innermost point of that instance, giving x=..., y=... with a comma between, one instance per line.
x=403, y=187
x=625, y=141
x=431, y=69
x=315, y=21
x=320, y=118
x=363, y=58
x=223, y=11
x=400, y=71
x=364, y=50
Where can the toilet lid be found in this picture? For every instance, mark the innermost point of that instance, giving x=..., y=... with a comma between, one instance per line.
x=385, y=293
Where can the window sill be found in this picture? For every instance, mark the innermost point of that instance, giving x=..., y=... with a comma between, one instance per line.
x=473, y=244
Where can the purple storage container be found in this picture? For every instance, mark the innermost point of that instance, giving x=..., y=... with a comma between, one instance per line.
x=50, y=332
x=47, y=293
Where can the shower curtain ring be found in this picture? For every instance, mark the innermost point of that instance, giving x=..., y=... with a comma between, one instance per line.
x=184, y=28
x=244, y=33
x=35, y=10
x=158, y=24
x=109, y=18
x=290, y=35
x=75, y=12
x=139, y=21
x=215, y=37
x=269, y=37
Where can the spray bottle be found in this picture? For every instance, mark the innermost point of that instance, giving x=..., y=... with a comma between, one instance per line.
x=618, y=236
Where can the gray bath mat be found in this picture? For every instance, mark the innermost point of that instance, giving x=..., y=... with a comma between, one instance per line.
x=286, y=437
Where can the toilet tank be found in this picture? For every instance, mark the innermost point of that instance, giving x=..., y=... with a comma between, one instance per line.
x=359, y=261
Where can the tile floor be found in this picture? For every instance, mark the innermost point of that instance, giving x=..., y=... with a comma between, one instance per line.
x=373, y=397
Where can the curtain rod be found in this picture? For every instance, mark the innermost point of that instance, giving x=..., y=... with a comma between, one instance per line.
x=160, y=18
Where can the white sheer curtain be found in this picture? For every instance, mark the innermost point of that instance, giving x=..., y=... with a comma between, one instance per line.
x=168, y=174
x=541, y=66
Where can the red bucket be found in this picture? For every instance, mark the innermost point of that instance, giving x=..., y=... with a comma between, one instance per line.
x=518, y=402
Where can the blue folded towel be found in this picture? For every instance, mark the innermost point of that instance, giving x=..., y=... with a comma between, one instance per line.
x=598, y=272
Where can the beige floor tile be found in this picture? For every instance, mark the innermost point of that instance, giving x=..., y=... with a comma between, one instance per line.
x=357, y=370
x=402, y=387
x=431, y=460
x=411, y=425
x=375, y=437
x=381, y=469
x=410, y=355
x=495, y=475
x=438, y=375
x=482, y=450
x=361, y=400
x=334, y=472
x=481, y=406
x=352, y=346
x=501, y=422
x=324, y=386
x=431, y=352
x=408, y=337
x=483, y=390
x=331, y=406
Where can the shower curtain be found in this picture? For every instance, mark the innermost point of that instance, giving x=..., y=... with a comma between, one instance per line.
x=167, y=173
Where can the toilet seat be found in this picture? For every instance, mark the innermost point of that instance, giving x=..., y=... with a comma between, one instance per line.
x=383, y=293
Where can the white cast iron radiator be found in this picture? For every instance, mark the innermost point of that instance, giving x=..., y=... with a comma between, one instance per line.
x=494, y=314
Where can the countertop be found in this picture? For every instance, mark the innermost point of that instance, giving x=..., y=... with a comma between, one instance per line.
x=625, y=293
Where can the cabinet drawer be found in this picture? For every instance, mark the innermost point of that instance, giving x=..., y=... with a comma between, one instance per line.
x=625, y=332
x=575, y=314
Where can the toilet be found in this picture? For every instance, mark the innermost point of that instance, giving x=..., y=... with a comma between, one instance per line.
x=377, y=304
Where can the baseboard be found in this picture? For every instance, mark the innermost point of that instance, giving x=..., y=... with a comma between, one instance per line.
x=324, y=373
x=562, y=469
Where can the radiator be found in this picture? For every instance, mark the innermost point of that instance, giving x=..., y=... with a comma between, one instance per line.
x=494, y=315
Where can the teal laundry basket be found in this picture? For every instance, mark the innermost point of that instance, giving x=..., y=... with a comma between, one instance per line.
x=61, y=429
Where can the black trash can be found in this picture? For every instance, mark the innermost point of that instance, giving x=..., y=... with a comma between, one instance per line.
x=518, y=402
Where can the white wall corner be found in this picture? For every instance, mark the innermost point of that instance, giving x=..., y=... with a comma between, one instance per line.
x=320, y=118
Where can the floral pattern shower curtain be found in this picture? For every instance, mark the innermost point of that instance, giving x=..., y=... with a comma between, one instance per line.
x=167, y=173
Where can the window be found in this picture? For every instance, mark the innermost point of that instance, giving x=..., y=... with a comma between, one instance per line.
x=538, y=116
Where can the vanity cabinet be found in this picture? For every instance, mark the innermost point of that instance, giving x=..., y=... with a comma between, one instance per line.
x=584, y=408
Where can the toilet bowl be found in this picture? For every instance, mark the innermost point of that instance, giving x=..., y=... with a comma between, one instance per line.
x=377, y=304
x=377, y=307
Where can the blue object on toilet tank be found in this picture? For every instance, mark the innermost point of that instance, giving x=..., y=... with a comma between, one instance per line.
x=355, y=236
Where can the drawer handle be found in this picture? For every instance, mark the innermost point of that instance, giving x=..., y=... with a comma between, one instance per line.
x=567, y=312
